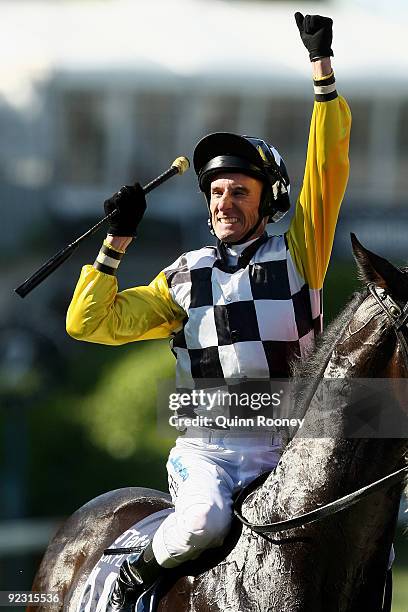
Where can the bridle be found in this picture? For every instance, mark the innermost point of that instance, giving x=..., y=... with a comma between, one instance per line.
x=399, y=319
x=397, y=316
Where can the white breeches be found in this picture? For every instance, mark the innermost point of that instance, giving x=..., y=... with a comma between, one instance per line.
x=202, y=479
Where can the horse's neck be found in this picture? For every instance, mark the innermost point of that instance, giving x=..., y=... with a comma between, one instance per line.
x=325, y=560
x=318, y=466
x=321, y=464
x=319, y=567
x=325, y=460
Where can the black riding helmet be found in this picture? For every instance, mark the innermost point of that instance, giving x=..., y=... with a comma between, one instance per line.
x=223, y=151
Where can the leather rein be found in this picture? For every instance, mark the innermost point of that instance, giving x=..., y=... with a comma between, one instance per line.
x=399, y=319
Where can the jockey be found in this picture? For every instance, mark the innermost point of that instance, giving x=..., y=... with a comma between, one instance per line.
x=239, y=310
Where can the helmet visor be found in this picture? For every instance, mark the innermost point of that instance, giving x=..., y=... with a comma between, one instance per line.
x=227, y=163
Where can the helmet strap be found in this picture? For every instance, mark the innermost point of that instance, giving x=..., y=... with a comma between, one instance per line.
x=210, y=226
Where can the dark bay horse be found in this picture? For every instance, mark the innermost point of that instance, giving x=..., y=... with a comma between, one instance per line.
x=338, y=564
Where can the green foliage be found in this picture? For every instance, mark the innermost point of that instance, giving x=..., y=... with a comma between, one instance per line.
x=341, y=281
x=97, y=430
x=120, y=413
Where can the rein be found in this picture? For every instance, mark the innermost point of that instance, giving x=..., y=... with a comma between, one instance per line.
x=320, y=513
x=399, y=319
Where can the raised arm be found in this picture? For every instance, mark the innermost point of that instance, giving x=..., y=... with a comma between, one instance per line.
x=311, y=232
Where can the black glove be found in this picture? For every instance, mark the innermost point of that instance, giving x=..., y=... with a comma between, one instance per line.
x=130, y=203
x=316, y=33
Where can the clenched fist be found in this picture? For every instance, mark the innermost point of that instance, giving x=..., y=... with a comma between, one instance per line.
x=316, y=33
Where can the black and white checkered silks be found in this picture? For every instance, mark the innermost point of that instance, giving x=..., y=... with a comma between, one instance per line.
x=247, y=321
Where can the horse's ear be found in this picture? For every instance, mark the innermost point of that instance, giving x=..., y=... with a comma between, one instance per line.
x=375, y=269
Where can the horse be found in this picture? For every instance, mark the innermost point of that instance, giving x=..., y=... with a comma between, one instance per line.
x=336, y=564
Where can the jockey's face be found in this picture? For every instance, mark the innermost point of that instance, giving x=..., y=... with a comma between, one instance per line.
x=234, y=206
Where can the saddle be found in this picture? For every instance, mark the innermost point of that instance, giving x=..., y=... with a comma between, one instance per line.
x=96, y=591
x=98, y=586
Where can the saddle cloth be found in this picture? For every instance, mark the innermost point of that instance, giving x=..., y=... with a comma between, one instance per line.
x=95, y=594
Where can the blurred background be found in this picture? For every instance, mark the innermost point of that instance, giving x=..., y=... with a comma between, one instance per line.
x=95, y=94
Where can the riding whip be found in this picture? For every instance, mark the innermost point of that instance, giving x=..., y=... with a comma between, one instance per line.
x=179, y=166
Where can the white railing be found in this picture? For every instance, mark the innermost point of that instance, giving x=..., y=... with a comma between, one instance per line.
x=24, y=536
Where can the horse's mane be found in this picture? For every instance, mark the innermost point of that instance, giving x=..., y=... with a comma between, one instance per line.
x=305, y=372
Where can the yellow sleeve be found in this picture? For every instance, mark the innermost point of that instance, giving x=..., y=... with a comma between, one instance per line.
x=98, y=313
x=311, y=232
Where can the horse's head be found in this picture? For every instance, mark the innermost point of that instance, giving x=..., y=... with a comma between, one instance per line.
x=375, y=269
x=385, y=312
x=373, y=341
